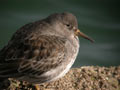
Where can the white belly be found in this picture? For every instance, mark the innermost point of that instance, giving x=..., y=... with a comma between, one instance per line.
x=69, y=65
x=67, y=68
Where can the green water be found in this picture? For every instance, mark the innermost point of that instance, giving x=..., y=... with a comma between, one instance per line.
x=99, y=19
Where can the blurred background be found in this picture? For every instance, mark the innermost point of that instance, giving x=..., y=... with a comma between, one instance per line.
x=99, y=19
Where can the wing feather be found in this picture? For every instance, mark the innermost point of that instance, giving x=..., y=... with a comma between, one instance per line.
x=32, y=56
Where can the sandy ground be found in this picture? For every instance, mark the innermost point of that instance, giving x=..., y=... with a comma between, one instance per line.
x=83, y=78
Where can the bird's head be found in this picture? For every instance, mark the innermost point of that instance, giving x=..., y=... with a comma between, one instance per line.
x=66, y=24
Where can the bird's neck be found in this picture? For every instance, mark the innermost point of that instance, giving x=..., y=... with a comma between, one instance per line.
x=74, y=40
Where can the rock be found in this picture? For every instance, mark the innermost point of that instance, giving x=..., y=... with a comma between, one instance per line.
x=84, y=78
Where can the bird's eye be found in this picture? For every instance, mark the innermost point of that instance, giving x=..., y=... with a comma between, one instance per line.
x=68, y=25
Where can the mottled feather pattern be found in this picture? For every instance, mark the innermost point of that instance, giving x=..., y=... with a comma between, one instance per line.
x=41, y=51
x=37, y=54
x=44, y=59
x=33, y=53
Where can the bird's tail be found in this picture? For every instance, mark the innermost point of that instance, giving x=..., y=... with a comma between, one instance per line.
x=4, y=83
x=6, y=71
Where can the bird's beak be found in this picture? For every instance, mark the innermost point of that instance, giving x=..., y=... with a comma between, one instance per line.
x=79, y=33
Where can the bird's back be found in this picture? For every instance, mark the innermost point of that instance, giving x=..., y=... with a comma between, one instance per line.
x=31, y=55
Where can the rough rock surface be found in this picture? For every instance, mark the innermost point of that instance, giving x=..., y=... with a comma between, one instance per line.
x=84, y=78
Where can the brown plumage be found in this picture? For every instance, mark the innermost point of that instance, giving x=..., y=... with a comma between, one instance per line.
x=41, y=51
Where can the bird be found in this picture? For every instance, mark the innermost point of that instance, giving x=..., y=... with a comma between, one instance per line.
x=42, y=51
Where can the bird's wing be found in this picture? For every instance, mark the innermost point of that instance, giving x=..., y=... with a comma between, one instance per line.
x=32, y=56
